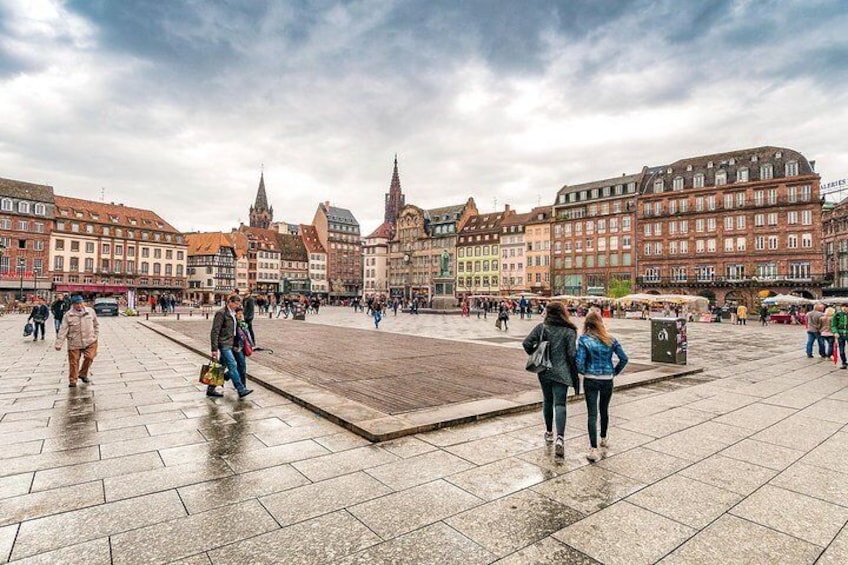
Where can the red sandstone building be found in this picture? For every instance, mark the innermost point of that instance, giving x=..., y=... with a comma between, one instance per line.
x=593, y=236
x=733, y=226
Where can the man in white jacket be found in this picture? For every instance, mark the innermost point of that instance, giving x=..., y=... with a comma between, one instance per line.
x=80, y=328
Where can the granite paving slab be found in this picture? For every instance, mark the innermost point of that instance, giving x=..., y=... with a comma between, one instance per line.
x=89, y=553
x=837, y=551
x=733, y=541
x=818, y=482
x=7, y=540
x=625, y=534
x=515, y=521
x=312, y=500
x=432, y=544
x=53, y=532
x=183, y=537
x=730, y=474
x=37, y=504
x=548, y=551
x=795, y=514
x=685, y=500
x=643, y=465
x=396, y=514
x=15, y=485
x=325, y=539
x=419, y=469
x=588, y=489
x=500, y=478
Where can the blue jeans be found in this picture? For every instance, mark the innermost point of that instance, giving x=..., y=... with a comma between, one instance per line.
x=228, y=359
x=598, y=395
x=814, y=337
x=57, y=323
x=553, y=400
x=377, y=317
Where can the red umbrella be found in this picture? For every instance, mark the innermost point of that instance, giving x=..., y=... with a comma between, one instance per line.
x=835, y=352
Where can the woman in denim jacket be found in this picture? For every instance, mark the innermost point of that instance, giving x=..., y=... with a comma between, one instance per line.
x=594, y=360
x=561, y=335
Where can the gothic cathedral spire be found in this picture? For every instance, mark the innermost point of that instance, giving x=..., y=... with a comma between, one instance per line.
x=395, y=199
x=261, y=215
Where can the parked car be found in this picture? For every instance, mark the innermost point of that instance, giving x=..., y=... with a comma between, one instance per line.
x=106, y=306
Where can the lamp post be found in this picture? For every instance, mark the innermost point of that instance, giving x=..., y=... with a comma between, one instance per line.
x=21, y=269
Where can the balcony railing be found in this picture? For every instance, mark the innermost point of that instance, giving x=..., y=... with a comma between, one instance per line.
x=818, y=279
x=719, y=207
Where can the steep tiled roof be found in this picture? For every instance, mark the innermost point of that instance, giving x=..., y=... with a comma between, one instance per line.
x=310, y=239
x=267, y=239
x=239, y=242
x=516, y=219
x=540, y=215
x=291, y=247
x=483, y=223
x=624, y=179
x=445, y=213
x=26, y=190
x=206, y=243
x=385, y=231
x=115, y=214
x=730, y=162
x=341, y=215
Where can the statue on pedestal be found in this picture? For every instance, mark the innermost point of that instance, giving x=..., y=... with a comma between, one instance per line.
x=445, y=264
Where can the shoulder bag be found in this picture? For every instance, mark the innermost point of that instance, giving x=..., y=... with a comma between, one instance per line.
x=540, y=360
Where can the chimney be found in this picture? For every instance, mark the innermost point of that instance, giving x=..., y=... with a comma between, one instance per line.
x=327, y=204
x=506, y=209
x=813, y=165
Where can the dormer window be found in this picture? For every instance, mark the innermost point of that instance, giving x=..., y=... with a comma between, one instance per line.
x=658, y=186
x=742, y=175
x=6, y=205
x=766, y=171
x=77, y=214
x=63, y=212
x=677, y=184
x=23, y=207
x=778, y=155
x=689, y=168
x=95, y=216
x=698, y=181
x=754, y=158
x=40, y=210
x=721, y=178
x=791, y=168
x=709, y=164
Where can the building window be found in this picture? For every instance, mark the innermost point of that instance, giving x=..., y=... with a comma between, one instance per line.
x=740, y=223
x=792, y=241
x=806, y=240
x=807, y=217
x=759, y=243
x=772, y=242
x=767, y=270
x=6, y=205
x=735, y=272
x=59, y=245
x=698, y=181
x=799, y=270
x=742, y=175
x=791, y=168
x=658, y=186
x=766, y=171
x=772, y=218
x=721, y=178
x=23, y=207
x=705, y=272
x=58, y=263
x=792, y=217
x=677, y=184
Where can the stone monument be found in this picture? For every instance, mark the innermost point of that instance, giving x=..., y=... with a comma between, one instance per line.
x=443, y=298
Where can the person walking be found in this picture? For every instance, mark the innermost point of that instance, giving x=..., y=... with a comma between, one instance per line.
x=249, y=306
x=377, y=312
x=39, y=314
x=595, y=349
x=839, y=327
x=814, y=319
x=826, y=331
x=742, y=315
x=242, y=345
x=222, y=338
x=764, y=315
x=80, y=329
x=561, y=334
x=58, y=309
x=503, y=317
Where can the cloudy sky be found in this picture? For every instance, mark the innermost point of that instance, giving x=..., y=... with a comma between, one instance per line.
x=176, y=105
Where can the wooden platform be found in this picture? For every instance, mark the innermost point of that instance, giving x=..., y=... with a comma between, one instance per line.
x=382, y=384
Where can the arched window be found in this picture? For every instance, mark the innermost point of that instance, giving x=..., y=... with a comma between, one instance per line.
x=6, y=205
x=23, y=207
x=40, y=210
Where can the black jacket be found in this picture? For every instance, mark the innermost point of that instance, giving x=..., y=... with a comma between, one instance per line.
x=249, y=306
x=39, y=313
x=58, y=309
x=223, y=330
x=562, y=344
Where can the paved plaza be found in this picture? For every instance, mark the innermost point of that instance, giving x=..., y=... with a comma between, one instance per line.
x=743, y=463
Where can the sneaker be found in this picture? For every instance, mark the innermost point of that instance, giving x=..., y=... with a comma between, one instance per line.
x=559, y=449
x=215, y=394
x=549, y=437
x=604, y=442
x=844, y=367
x=245, y=392
x=72, y=385
x=86, y=380
x=593, y=455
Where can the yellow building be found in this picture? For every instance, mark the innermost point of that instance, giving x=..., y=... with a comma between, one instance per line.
x=478, y=254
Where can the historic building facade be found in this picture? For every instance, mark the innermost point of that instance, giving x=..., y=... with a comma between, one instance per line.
x=26, y=221
x=733, y=226
x=317, y=267
x=263, y=256
x=338, y=232
x=835, y=243
x=294, y=265
x=211, y=267
x=593, y=236
x=415, y=250
x=478, y=254
x=98, y=248
x=513, y=257
x=375, y=260
x=537, y=236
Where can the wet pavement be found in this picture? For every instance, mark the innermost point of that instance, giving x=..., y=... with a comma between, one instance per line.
x=744, y=463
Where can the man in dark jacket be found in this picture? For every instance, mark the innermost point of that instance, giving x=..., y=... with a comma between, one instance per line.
x=249, y=311
x=58, y=309
x=39, y=315
x=222, y=338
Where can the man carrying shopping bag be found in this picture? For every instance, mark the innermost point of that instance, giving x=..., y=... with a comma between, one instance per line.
x=222, y=337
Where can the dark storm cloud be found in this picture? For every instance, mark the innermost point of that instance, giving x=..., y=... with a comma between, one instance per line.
x=181, y=101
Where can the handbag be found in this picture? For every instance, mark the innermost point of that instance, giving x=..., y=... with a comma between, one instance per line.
x=28, y=329
x=540, y=360
x=246, y=345
x=212, y=374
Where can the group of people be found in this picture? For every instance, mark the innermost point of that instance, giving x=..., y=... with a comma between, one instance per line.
x=827, y=328
x=165, y=303
x=590, y=355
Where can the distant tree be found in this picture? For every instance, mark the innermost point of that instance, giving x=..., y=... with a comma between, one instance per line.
x=619, y=288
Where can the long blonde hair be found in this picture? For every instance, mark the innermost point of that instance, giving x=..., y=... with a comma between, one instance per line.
x=594, y=326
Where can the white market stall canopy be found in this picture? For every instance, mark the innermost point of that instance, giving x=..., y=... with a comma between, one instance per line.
x=789, y=299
